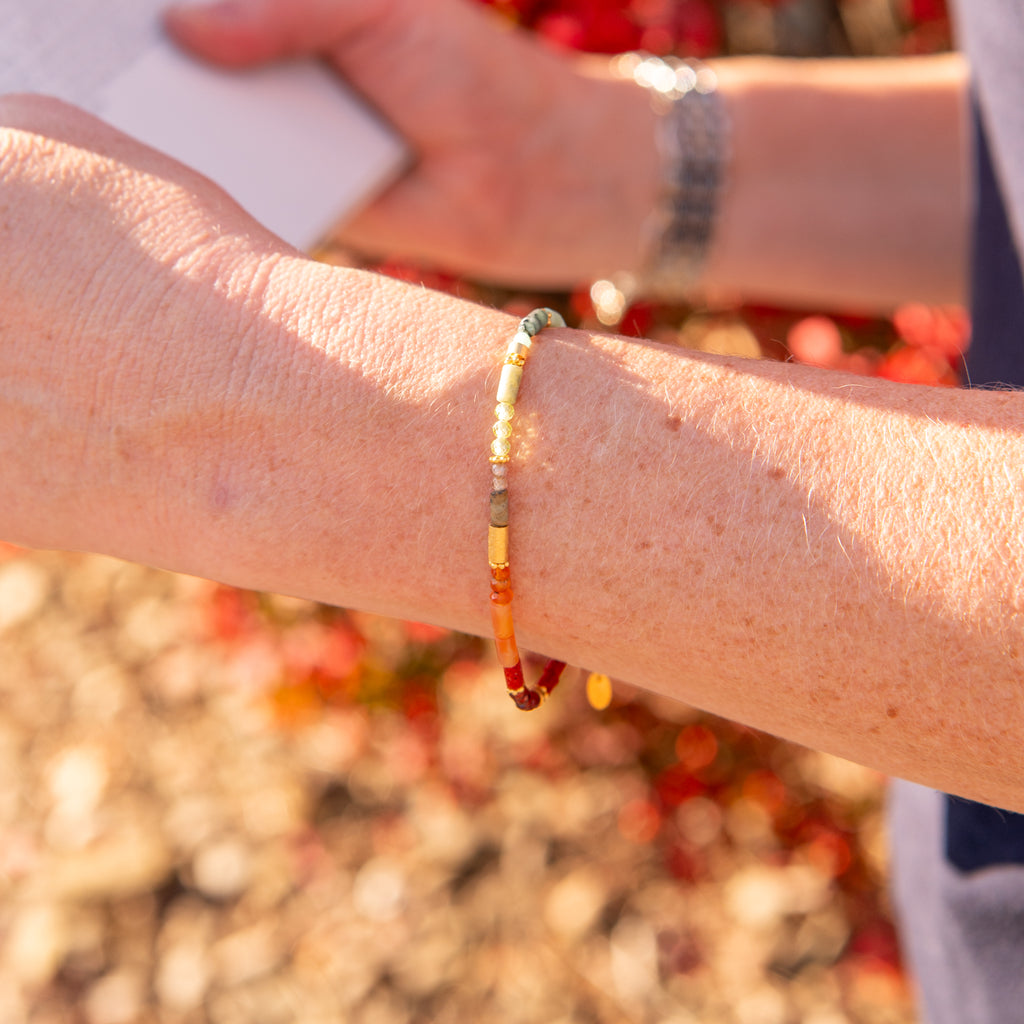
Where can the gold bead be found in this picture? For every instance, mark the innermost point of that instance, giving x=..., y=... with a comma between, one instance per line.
x=497, y=544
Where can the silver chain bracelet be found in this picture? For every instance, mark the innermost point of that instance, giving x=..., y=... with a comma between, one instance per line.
x=693, y=139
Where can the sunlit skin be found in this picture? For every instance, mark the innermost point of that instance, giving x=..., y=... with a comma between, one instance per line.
x=833, y=559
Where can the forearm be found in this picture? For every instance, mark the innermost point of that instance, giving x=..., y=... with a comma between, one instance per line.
x=831, y=559
x=848, y=182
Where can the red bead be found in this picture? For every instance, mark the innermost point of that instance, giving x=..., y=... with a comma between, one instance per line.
x=526, y=700
x=550, y=676
x=514, y=676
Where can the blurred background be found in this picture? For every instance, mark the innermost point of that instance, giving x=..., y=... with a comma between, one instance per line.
x=219, y=806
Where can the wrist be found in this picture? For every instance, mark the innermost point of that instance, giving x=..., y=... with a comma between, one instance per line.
x=340, y=474
x=589, y=176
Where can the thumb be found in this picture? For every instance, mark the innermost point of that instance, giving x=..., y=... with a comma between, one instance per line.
x=237, y=33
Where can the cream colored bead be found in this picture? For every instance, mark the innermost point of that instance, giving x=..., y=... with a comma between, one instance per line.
x=508, y=383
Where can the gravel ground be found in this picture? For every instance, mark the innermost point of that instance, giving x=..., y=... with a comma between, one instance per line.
x=225, y=807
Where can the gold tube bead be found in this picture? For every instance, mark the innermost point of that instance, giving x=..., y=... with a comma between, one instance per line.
x=508, y=383
x=497, y=545
x=516, y=350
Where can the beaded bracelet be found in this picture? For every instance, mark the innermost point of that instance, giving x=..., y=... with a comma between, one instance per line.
x=497, y=533
x=599, y=687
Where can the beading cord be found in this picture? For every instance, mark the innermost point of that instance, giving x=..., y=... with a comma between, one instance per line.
x=498, y=530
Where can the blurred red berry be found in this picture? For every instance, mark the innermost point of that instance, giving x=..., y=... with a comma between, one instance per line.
x=698, y=32
x=877, y=941
x=946, y=329
x=685, y=865
x=765, y=789
x=816, y=341
x=925, y=10
x=677, y=784
x=637, y=320
x=830, y=853
x=230, y=613
x=424, y=632
x=917, y=366
x=639, y=821
x=696, y=747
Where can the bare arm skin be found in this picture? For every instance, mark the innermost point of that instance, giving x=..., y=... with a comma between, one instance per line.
x=848, y=181
x=848, y=185
x=833, y=559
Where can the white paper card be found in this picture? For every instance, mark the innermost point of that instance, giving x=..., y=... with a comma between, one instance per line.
x=289, y=142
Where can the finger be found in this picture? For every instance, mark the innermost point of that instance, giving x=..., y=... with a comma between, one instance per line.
x=238, y=33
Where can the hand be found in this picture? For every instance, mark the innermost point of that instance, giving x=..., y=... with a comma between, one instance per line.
x=527, y=170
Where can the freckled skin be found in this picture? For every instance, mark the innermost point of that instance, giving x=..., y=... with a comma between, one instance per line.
x=347, y=411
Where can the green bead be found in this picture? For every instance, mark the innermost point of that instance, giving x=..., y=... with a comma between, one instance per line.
x=535, y=322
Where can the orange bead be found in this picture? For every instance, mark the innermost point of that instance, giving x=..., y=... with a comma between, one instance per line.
x=501, y=620
x=508, y=652
x=503, y=596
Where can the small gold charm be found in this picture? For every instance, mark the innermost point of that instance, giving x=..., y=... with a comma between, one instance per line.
x=599, y=691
